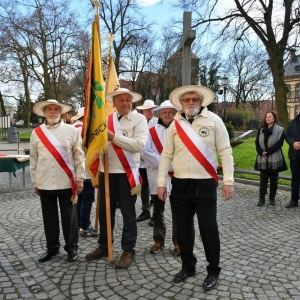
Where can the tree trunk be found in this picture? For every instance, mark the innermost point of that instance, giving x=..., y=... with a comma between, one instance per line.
x=277, y=68
x=2, y=105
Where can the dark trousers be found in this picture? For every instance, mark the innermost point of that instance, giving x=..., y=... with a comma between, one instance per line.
x=159, y=226
x=84, y=205
x=205, y=207
x=119, y=193
x=295, y=170
x=263, y=187
x=146, y=206
x=51, y=219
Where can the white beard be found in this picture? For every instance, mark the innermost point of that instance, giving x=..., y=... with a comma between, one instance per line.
x=53, y=121
x=193, y=112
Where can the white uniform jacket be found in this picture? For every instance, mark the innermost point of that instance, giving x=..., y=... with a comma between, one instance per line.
x=78, y=125
x=152, y=157
x=152, y=122
x=212, y=131
x=45, y=172
x=135, y=134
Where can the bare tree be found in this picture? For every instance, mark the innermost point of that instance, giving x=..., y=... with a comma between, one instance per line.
x=42, y=34
x=137, y=59
x=275, y=24
x=120, y=18
x=249, y=75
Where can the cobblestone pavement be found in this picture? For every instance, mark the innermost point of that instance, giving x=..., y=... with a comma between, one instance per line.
x=260, y=250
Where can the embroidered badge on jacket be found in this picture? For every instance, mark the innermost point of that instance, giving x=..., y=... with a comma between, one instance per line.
x=204, y=131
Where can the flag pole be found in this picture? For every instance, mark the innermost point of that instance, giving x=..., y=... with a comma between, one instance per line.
x=106, y=177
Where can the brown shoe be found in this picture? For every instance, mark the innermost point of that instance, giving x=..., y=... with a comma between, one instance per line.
x=96, y=254
x=125, y=260
x=176, y=250
x=156, y=248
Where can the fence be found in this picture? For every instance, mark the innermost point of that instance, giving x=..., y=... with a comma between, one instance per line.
x=4, y=125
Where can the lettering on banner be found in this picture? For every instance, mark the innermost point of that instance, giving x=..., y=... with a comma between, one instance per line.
x=101, y=128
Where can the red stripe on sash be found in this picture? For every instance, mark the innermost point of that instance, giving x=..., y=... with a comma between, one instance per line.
x=195, y=151
x=121, y=155
x=158, y=144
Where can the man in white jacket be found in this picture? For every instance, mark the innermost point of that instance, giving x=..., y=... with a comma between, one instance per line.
x=151, y=155
x=193, y=142
x=127, y=135
x=57, y=172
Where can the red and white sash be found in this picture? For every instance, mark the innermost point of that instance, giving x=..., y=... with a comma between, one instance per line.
x=157, y=143
x=77, y=125
x=197, y=148
x=126, y=160
x=58, y=152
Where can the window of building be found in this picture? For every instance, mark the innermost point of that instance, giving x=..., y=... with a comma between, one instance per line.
x=298, y=90
x=289, y=92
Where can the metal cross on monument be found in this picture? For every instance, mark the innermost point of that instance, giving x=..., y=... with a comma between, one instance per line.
x=185, y=46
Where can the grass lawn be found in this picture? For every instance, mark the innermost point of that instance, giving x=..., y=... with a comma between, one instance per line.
x=245, y=154
x=25, y=135
x=22, y=135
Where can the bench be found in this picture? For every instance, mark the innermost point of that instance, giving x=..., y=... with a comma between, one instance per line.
x=254, y=172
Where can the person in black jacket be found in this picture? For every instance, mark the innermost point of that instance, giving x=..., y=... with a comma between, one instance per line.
x=292, y=137
x=269, y=160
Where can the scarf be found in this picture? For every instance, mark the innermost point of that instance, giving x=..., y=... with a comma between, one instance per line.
x=275, y=160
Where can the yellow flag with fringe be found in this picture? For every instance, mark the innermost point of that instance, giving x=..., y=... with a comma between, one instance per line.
x=112, y=83
x=94, y=131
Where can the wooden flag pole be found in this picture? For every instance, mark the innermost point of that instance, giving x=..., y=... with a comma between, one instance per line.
x=106, y=177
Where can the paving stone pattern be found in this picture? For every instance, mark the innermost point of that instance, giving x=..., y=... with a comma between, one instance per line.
x=260, y=250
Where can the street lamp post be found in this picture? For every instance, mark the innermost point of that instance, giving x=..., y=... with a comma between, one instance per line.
x=224, y=84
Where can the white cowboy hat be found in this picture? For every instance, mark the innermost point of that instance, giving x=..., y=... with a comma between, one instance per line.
x=38, y=108
x=206, y=92
x=79, y=114
x=166, y=104
x=147, y=104
x=135, y=96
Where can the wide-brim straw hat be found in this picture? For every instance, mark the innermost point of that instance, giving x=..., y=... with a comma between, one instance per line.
x=135, y=96
x=166, y=104
x=79, y=114
x=208, y=94
x=148, y=104
x=39, y=107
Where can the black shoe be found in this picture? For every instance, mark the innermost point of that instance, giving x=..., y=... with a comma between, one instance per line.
x=291, y=204
x=145, y=215
x=210, y=282
x=183, y=275
x=72, y=256
x=151, y=222
x=261, y=202
x=47, y=256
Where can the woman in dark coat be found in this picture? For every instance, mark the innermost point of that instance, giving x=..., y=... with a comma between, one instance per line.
x=269, y=160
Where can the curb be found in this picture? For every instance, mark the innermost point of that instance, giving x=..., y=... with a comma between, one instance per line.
x=256, y=183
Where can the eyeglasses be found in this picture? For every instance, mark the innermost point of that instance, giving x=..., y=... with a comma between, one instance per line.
x=187, y=100
x=165, y=113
